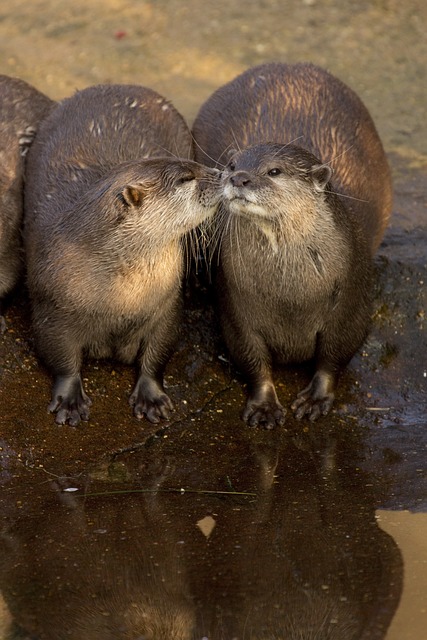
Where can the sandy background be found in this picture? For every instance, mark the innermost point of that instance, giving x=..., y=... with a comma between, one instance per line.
x=185, y=49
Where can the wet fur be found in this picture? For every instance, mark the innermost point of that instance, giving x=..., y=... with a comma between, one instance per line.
x=22, y=107
x=107, y=204
x=305, y=105
x=294, y=257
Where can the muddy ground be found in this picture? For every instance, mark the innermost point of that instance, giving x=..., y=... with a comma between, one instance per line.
x=366, y=461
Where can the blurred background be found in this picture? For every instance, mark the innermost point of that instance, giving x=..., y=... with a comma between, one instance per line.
x=185, y=49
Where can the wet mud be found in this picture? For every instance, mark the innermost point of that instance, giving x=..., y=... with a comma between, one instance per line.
x=200, y=527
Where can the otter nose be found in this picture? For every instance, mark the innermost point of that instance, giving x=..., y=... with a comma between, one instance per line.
x=240, y=179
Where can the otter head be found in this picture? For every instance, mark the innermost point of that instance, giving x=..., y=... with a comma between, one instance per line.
x=153, y=202
x=280, y=188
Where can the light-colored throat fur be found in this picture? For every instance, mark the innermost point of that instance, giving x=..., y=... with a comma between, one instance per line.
x=298, y=251
x=119, y=285
x=146, y=283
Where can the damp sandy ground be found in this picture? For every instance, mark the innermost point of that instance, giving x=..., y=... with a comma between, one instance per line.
x=201, y=527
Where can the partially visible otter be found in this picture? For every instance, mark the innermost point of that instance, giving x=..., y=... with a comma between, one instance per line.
x=107, y=203
x=21, y=109
x=295, y=259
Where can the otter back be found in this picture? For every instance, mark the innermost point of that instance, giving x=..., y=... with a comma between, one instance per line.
x=304, y=105
x=22, y=108
x=94, y=131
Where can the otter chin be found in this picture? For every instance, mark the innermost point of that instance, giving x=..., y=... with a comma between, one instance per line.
x=297, y=227
x=244, y=206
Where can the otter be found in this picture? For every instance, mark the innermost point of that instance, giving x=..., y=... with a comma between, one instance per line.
x=22, y=107
x=110, y=194
x=306, y=199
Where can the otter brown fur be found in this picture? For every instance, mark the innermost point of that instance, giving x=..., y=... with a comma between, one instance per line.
x=107, y=203
x=295, y=259
x=22, y=107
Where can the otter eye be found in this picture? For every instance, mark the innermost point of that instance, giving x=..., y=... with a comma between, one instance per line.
x=231, y=166
x=121, y=198
x=274, y=172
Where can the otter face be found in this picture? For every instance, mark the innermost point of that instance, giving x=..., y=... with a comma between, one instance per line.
x=169, y=197
x=148, y=203
x=276, y=184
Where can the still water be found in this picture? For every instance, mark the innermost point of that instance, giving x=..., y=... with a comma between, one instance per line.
x=195, y=535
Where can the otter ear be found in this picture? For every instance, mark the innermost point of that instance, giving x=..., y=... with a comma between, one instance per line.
x=132, y=195
x=231, y=151
x=321, y=174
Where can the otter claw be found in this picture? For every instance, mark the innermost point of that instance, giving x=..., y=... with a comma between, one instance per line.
x=266, y=415
x=313, y=408
x=69, y=401
x=72, y=416
x=154, y=409
x=149, y=399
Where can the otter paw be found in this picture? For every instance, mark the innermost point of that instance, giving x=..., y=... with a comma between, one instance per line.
x=70, y=410
x=153, y=408
x=307, y=404
x=264, y=414
x=69, y=401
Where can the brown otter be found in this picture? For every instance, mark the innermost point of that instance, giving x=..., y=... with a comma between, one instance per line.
x=21, y=109
x=295, y=259
x=107, y=203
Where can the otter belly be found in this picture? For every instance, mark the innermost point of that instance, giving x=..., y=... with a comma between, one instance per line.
x=119, y=342
x=291, y=338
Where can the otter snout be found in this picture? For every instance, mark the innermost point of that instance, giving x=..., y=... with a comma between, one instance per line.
x=240, y=179
x=238, y=185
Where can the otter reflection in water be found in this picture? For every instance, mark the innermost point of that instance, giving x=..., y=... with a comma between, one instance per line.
x=298, y=555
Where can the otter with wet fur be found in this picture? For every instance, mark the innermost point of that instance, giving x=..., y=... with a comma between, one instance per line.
x=107, y=204
x=306, y=199
x=22, y=107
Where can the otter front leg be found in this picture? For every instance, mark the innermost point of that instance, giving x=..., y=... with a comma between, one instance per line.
x=148, y=397
x=57, y=346
x=316, y=400
x=252, y=357
x=69, y=401
x=263, y=408
x=337, y=343
x=334, y=350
